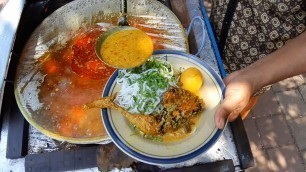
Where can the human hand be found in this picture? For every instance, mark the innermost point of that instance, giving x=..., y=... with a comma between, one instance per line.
x=239, y=90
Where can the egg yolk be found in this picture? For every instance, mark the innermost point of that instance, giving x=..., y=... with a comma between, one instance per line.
x=192, y=79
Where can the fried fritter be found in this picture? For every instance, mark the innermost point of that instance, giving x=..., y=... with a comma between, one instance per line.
x=180, y=106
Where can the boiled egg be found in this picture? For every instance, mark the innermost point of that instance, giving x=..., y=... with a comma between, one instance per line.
x=192, y=79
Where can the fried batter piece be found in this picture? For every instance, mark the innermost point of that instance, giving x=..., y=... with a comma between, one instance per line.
x=179, y=107
x=145, y=123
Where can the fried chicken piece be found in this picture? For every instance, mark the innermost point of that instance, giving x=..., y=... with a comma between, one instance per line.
x=179, y=106
x=147, y=124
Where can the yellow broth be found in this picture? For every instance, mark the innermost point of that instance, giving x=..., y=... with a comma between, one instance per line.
x=126, y=48
x=181, y=133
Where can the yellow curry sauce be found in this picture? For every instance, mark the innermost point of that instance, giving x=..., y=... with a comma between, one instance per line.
x=181, y=133
x=127, y=48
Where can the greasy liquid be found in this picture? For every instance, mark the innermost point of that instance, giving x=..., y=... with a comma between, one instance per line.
x=127, y=48
x=181, y=133
x=73, y=76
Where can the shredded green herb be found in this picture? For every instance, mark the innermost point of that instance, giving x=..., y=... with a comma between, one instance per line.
x=142, y=87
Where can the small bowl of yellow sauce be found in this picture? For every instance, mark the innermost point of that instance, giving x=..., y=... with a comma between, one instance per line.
x=124, y=47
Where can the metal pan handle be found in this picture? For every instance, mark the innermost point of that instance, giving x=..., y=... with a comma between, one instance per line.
x=123, y=9
x=203, y=32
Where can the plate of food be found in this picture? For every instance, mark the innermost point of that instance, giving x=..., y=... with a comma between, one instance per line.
x=162, y=112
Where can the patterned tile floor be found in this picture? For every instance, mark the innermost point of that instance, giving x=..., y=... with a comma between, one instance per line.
x=276, y=127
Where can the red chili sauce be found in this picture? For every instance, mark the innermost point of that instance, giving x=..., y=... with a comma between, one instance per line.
x=74, y=75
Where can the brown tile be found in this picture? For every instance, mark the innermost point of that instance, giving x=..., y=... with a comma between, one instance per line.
x=298, y=128
x=253, y=134
x=261, y=162
x=266, y=105
x=302, y=89
x=301, y=143
x=250, y=115
x=285, y=158
x=285, y=84
x=274, y=131
x=292, y=103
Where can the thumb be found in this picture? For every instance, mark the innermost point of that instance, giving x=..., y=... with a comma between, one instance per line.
x=220, y=117
x=227, y=107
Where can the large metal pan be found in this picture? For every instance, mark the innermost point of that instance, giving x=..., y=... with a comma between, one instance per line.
x=55, y=31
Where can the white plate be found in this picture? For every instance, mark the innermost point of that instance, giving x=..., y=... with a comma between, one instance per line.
x=158, y=153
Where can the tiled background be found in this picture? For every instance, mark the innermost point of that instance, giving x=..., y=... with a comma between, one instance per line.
x=276, y=127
